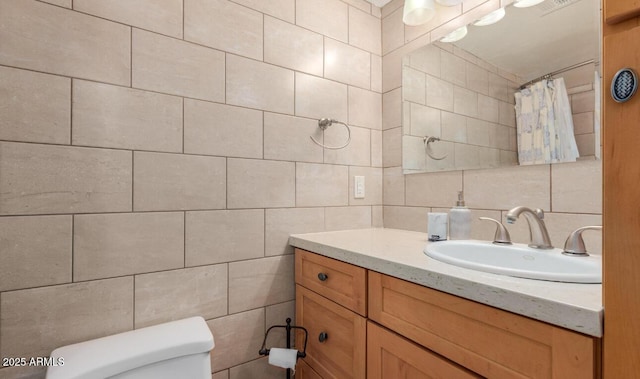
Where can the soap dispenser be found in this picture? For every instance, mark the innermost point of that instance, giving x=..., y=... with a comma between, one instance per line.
x=460, y=220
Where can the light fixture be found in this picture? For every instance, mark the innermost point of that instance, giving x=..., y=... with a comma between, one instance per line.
x=455, y=35
x=526, y=3
x=448, y=3
x=418, y=12
x=491, y=18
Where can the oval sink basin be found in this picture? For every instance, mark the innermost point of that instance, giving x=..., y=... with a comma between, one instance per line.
x=517, y=260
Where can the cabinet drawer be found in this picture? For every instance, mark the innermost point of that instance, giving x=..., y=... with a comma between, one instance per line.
x=342, y=352
x=391, y=356
x=491, y=342
x=338, y=281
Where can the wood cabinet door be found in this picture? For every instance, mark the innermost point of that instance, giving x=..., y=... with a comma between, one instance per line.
x=616, y=11
x=621, y=214
x=389, y=356
x=336, y=348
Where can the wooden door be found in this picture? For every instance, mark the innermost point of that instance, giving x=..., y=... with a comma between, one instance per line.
x=621, y=214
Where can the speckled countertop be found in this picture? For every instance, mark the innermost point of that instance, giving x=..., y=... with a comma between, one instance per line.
x=399, y=253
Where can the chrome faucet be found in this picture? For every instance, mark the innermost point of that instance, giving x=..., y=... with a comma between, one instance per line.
x=537, y=229
x=574, y=245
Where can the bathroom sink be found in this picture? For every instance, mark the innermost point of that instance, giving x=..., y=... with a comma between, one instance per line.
x=517, y=260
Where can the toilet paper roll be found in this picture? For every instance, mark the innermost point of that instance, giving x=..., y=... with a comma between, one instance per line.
x=285, y=358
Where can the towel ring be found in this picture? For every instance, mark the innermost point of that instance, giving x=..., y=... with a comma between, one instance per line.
x=427, y=141
x=323, y=124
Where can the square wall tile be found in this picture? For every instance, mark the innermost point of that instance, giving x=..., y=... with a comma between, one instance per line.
x=477, y=79
x=44, y=179
x=320, y=98
x=376, y=73
x=224, y=25
x=392, y=31
x=173, y=295
x=223, y=130
x=36, y=321
x=260, y=282
x=178, y=182
x=321, y=185
x=406, y=218
x=376, y=148
x=583, y=102
x=280, y=223
x=224, y=236
x=259, y=85
x=287, y=138
x=259, y=368
x=560, y=225
x=392, y=70
x=392, y=109
x=488, y=108
x=433, y=189
x=176, y=67
x=393, y=186
x=454, y=69
x=505, y=188
x=44, y=37
x=36, y=251
x=342, y=218
x=327, y=17
x=577, y=187
x=427, y=59
x=108, y=245
x=347, y=64
x=365, y=31
x=282, y=9
x=277, y=315
x=365, y=108
x=35, y=107
x=118, y=117
x=392, y=147
x=440, y=95
x=377, y=219
x=465, y=102
x=373, y=185
x=414, y=85
x=293, y=47
x=260, y=184
x=236, y=337
x=162, y=16
x=428, y=121
x=357, y=152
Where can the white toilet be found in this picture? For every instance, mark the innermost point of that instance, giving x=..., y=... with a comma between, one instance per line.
x=177, y=349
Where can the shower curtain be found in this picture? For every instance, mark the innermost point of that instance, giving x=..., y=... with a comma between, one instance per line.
x=544, y=124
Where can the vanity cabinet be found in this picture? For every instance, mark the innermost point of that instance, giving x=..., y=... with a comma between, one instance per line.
x=411, y=331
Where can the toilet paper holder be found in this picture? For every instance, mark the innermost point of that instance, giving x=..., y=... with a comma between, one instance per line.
x=288, y=327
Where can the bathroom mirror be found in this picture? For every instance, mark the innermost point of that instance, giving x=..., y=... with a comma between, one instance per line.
x=458, y=98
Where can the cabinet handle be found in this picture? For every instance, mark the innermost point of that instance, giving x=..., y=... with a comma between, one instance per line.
x=322, y=276
x=323, y=337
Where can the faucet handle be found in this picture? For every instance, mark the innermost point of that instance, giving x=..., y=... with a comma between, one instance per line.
x=574, y=245
x=502, y=236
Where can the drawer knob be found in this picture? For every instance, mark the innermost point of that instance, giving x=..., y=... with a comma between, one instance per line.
x=323, y=337
x=322, y=276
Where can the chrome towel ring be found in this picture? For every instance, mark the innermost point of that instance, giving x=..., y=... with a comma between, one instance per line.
x=427, y=141
x=323, y=124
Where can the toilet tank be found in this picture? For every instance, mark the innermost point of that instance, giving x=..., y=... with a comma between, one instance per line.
x=177, y=349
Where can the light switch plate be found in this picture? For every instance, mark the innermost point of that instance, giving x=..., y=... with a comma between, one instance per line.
x=358, y=187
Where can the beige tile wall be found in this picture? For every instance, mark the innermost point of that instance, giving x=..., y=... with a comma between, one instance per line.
x=570, y=194
x=155, y=156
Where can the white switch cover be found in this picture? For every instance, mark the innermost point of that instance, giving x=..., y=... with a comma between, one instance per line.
x=358, y=187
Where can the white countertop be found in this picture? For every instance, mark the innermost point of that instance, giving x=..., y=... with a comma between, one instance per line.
x=399, y=253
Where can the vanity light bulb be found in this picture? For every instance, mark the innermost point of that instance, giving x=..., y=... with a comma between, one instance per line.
x=449, y=3
x=455, y=35
x=418, y=12
x=491, y=18
x=526, y=3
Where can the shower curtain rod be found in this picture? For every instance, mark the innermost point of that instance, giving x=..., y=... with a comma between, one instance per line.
x=551, y=74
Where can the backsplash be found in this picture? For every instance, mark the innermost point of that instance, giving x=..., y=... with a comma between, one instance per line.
x=155, y=156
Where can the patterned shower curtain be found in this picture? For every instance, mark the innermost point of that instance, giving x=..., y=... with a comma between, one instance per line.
x=545, y=124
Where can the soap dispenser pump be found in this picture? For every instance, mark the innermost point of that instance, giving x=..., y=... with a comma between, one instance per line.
x=460, y=220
